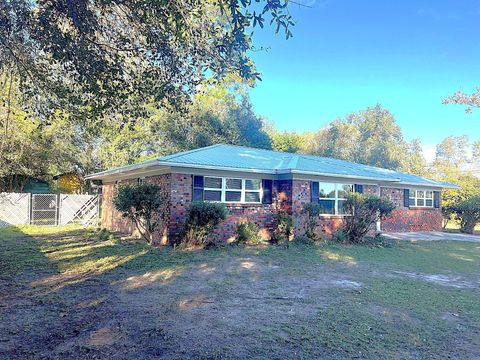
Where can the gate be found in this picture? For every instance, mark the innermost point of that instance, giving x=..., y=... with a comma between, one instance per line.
x=44, y=209
x=48, y=209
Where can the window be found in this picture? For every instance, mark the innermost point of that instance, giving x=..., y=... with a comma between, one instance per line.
x=231, y=190
x=420, y=198
x=332, y=197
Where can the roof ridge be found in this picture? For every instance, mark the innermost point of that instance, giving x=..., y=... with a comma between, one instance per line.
x=254, y=148
x=173, y=156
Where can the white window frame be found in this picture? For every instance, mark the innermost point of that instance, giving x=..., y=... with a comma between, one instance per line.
x=242, y=191
x=336, y=198
x=415, y=198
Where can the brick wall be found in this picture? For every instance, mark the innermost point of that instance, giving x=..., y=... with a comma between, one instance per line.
x=406, y=219
x=301, y=195
x=113, y=220
x=178, y=188
x=263, y=215
x=287, y=195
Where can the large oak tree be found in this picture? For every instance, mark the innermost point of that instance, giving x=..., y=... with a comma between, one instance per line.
x=91, y=56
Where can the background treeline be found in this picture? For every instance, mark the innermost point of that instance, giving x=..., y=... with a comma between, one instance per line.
x=220, y=112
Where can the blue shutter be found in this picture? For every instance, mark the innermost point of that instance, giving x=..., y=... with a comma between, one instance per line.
x=406, y=198
x=436, y=199
x=314, y=192
x=267, y=191
x=197, y=188
x=358, y=188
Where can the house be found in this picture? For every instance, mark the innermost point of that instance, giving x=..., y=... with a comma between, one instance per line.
x=255, y=184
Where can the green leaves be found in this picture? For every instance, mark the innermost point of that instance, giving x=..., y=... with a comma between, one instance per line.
x=364, y=210
x=145, y=205
x=91, y=57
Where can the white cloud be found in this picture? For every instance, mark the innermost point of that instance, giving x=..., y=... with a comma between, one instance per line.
x=429, y=152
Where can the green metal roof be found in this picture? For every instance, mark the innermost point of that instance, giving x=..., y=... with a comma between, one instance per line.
x=237, y=158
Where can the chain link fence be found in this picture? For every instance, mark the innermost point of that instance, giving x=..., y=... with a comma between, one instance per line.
x=48, y=209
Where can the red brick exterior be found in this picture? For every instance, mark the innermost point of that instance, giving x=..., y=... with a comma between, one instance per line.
x=327, y=224
x=287, y=195
x=112, y=219
x=406, y=219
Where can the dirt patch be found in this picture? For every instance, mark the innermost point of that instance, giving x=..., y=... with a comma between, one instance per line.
x=439, y=279
x=218, y=304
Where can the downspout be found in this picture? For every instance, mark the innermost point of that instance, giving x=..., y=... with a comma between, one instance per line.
x=379, y=223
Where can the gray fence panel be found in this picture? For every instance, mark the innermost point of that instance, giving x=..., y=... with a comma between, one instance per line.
x=48, y=209
x=14, y=209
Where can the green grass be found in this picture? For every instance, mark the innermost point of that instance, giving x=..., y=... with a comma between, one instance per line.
x=396, y=312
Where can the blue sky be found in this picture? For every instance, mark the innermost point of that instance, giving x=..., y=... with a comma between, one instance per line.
x=346, y=55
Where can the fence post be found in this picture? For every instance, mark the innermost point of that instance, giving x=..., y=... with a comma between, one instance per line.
x=30, y=208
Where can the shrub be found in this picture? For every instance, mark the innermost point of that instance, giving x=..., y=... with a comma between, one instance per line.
x=247, y=232
x=364, y=210
x=284, y=228
x=467, y=212
x=142, y=204
x=202, y=219
x=303, y=240
x=312, y=211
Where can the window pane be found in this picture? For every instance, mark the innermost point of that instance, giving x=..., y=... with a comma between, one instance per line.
x=252, y=197
x=420, y=202
x=213, y=183
x=343, y=190
x=233, y=196
x=327, y=206
x=341, y=204
x=429, y=194
x=253, y=184
x=420, y=194
x=234, y=184
x=326, y=190
x=429, y=202
x=211, y=195
x=412, y=194
x=411, y=202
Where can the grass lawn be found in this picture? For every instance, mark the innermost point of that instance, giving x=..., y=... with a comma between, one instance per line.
x=65, y=293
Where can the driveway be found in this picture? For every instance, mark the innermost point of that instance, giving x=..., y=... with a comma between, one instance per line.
x=432, y=236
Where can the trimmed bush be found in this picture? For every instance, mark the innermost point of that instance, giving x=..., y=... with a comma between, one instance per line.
x=143, y=205
x=247, y=232
x=467, y=212
x=202, y=219
x=363, y=211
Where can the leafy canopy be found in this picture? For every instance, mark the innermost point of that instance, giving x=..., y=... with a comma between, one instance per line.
x=89, y=57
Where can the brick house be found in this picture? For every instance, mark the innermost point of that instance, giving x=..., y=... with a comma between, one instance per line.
x=255, y=183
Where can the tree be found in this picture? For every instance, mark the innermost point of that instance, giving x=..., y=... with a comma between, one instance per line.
x=145, y=205
x=91, y=57
x=461, y=98
x=30, y=148
x=370, y=137
x=452, y=151
x=220, y=113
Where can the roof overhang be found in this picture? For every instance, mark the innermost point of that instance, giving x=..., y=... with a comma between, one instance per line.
x=156, y=167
